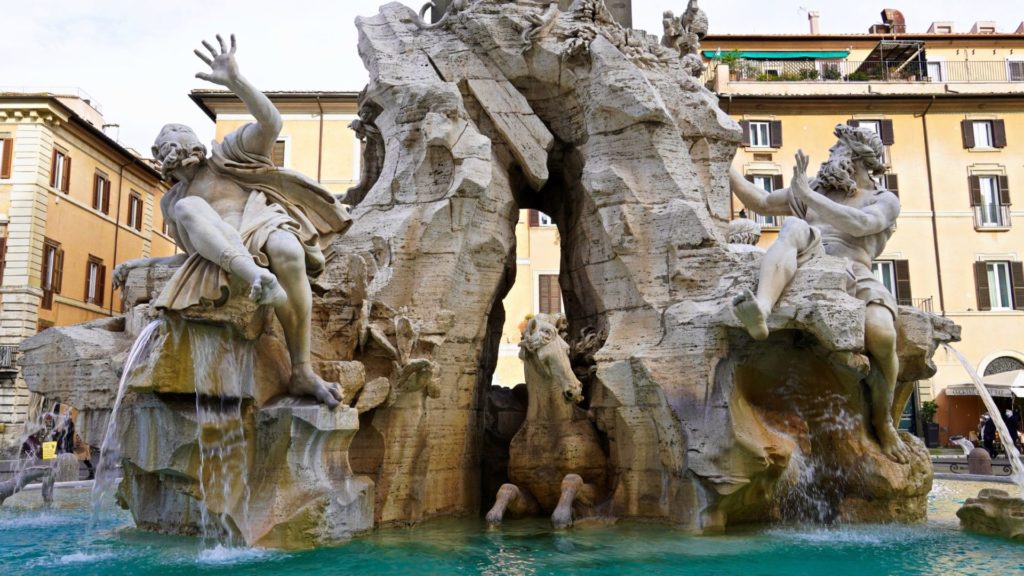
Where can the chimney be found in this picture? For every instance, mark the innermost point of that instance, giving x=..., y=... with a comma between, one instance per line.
x=984, y=27
x=894, y=20
x=1020, y=29
x=941, y=28
x=815, y=22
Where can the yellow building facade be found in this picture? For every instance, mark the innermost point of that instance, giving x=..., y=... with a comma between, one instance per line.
x=73, y=204
x=950, y=109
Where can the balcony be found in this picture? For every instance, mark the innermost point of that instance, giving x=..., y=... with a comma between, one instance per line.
x=922, y=304
x=878, y=77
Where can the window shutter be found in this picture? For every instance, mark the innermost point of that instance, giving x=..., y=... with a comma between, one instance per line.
x=967, y=131
x=58, y=271
x=998, y=134
x=1017, y=275
x=892, y=183
x=88, y=270
x=66, y=184
x=776, y=133
x=981, y=285
x=777, y=183
x=534, y=218
x=745, y=126
x=97, y=183
x=106, y=197
x=101, y=280
x=1004, y=190
x=974, y=183
x=53, y=169
x=8, y=158
x=903, y=281
x=888, y=137
x=749, y=178
x=543, y=293
x=3, y=257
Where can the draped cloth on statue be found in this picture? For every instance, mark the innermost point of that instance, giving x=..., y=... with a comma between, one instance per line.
x=280, y=199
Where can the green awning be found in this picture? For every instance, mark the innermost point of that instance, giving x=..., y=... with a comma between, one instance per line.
x=781, y=54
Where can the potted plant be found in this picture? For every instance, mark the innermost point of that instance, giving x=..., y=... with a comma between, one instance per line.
x=732, y=59
x=931, y=428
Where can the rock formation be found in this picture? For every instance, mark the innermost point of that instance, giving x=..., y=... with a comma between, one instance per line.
x=993, y=512
x=503, y=106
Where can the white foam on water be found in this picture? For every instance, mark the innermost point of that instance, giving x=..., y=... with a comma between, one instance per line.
x=83, y=557
x=220, y=555
x=32, y=521
x=859, y=535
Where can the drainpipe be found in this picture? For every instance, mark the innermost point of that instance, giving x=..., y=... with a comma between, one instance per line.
x=931, y=204
x=117, y=230
x=320, y=143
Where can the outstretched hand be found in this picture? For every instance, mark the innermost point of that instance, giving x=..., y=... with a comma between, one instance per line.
x=799, y=183
x=223, y=68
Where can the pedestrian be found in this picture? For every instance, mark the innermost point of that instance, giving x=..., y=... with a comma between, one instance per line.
x=988, y=435
x=1013, y=423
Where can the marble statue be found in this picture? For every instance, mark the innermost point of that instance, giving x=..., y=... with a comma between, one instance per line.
x=241, y=220
x=11, y=487
x=845, y=214
x=556, y=464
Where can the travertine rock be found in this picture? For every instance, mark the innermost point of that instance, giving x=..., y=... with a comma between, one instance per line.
x=993, y=512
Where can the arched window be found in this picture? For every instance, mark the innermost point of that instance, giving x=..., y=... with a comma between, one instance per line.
x=1003, y=364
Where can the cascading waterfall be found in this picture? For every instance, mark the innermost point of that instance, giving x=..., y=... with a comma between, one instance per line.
x=1011, y=451
x=221, y=368
x=110, y=450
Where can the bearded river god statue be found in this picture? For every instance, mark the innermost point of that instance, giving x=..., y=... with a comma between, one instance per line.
x=670, y=401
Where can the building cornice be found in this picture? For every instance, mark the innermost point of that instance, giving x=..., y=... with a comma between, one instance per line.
x=214, y=102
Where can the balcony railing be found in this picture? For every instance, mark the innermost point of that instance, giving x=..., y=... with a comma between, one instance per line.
x=923, y=304
x=874, y=71
x=7, y=352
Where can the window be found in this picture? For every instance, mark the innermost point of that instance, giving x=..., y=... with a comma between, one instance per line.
x=881, y=127
x=277, y=155
x=60, y=171
x=6, y=157
x=983, y=134
x=990, y=198
x=101, y=193
x=3, y=257
x=999, y=285
x=166, y=229
x=538, y=218
x=52, y=272
x=95, y=281
x=935, y=71
x=895, y=276
x=768, y=183
x=1015, y=71
x=135, y=210
x=549, y=294
x=760, y=135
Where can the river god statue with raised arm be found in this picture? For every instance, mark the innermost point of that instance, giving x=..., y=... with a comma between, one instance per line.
x=842, y=212
x=242, y=221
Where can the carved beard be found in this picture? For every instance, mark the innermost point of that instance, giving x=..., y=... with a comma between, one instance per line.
x=837, y=174
x=180, y=157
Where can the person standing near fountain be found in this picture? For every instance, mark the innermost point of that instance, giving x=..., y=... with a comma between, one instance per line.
x=239, y=217
x=988, y=435
x=843, y=213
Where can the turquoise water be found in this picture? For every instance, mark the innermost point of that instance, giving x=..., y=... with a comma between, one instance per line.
x=61, y=541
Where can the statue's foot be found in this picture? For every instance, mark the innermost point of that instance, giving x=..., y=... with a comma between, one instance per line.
x=266, y=290
x=751, y=314
x=891, y=443
x=561, y=518
x=507, y=494
x=306, y=383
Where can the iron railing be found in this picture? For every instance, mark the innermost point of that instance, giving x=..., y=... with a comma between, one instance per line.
x=871, y=71
x=7, y=352
x=923, y=304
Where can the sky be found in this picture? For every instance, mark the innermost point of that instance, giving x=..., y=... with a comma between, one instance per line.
x=134, y=57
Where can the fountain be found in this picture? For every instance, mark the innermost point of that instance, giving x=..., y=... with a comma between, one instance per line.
x=299, y=394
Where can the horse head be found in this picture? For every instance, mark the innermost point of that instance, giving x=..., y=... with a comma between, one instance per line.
x=548, y=354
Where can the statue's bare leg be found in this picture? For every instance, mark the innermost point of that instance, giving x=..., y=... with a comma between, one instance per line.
x=510, y=499
x=288, y=263
x=777, y=269
x=218, y=242
x=574, y=492
x=880, y=341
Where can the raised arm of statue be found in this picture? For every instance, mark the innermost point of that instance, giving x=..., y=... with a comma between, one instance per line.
x=855, y=221
x=257, y=138
x=761, y=201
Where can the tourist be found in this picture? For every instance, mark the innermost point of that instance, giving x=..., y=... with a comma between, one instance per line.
x=1012, y=423
x=988, y=435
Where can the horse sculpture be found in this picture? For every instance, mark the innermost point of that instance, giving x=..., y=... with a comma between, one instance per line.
x=556, y=463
